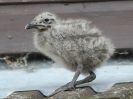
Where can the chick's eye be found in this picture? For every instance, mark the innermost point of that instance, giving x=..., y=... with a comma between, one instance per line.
x=46, y=20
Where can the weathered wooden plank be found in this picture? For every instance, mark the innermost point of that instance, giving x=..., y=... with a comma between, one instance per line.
x=115, y=19
x=51, y=1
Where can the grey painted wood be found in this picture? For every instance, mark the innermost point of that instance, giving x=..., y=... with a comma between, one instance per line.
x=51, y=1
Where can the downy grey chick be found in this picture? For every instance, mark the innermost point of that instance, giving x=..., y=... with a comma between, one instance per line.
x=75, y=43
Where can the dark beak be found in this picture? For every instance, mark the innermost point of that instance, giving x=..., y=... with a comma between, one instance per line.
x=30, y=26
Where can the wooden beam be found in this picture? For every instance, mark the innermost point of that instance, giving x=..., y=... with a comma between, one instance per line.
x=7, y=2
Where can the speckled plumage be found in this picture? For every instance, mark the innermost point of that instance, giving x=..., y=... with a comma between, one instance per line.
x=67, y=41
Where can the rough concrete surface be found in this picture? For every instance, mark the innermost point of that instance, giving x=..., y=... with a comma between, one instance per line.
x=33, y=94
x=118, y=91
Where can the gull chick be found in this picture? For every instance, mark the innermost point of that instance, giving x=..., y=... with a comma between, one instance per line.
x=75, y=43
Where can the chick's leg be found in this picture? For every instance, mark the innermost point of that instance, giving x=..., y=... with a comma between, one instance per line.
x=89, y=78
x=73, y=85
x=70, y=85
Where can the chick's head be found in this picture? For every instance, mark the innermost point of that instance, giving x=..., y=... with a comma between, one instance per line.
x=42, y=22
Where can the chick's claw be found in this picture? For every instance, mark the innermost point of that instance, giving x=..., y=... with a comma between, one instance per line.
x=68, y=87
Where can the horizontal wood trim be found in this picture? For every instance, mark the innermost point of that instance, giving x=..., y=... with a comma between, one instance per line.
x=6, y=2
